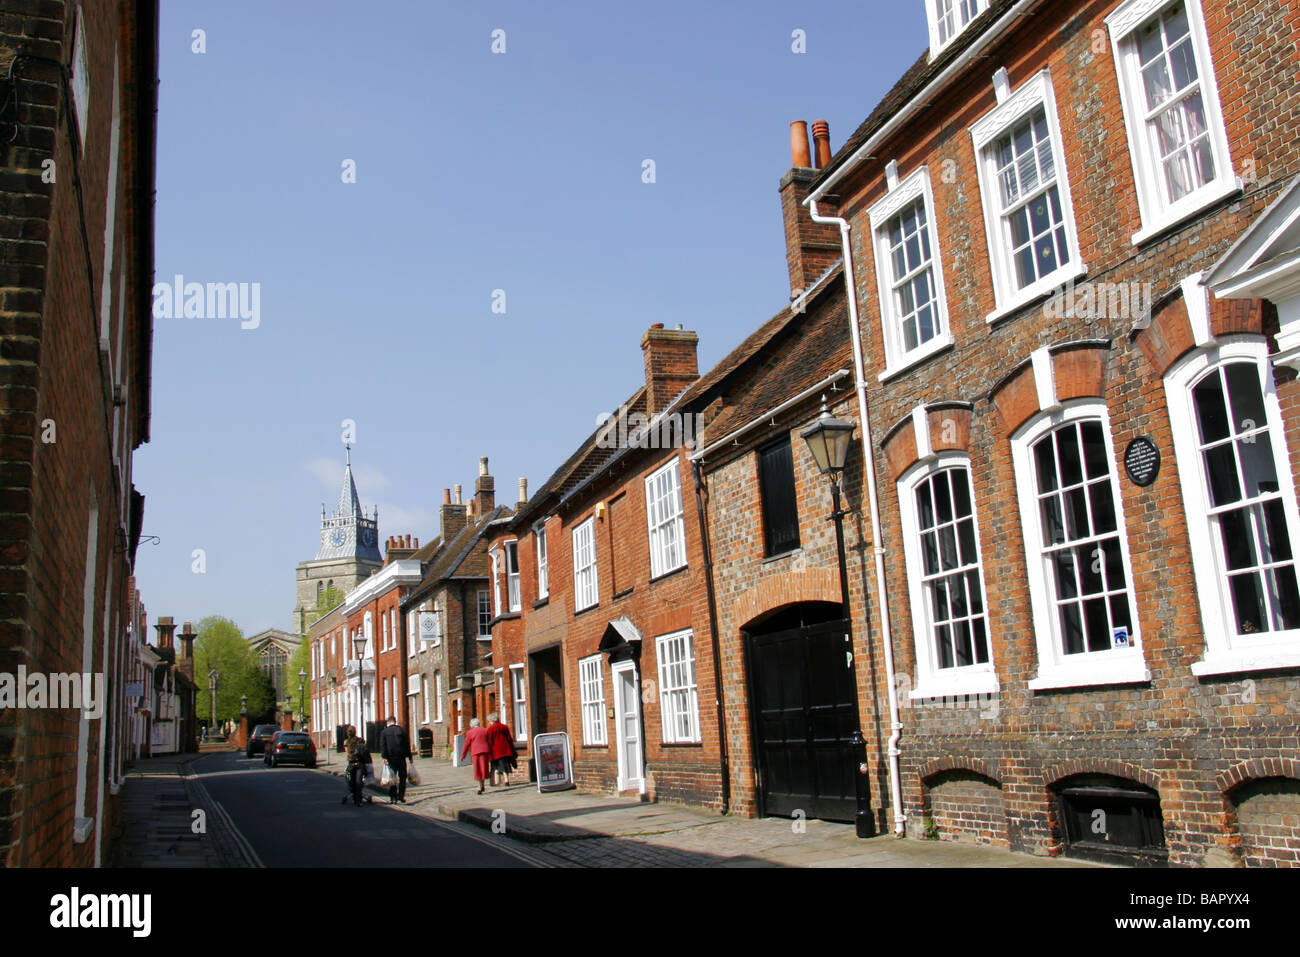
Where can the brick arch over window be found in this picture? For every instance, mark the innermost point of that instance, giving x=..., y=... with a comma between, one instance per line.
x=949, y=425
x=1118, y=769
x=1072, y=370
x=1172, y=333
x=978, y=766
x=1244, y=771
x=812, y=584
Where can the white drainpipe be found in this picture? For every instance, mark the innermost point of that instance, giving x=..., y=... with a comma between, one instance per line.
x=869, y=467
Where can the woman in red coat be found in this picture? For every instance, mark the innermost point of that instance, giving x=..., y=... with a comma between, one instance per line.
x=501, y=749
x=476, y=744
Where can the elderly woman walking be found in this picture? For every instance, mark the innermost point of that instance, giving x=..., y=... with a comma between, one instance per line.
x=476, y=744
x=501, y=749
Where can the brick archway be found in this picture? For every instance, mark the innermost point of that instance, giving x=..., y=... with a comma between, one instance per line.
x=778, y=591
x=976, y=765
x=1119, y=769
x=1244, y=771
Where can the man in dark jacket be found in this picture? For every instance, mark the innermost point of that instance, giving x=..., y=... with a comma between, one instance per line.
x=395, y=748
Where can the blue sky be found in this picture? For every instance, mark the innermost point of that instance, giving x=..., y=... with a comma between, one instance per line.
x=475, y=172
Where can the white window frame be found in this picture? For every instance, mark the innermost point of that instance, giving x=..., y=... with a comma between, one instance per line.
x=678, y=697
x=1157, y=211
x=586, y=585
x=931, y=680
x=519, y=702
x=383, y=621
x=494, y=553
x=514, y=589
x=665, y=521
x=901, y=195
x=437, y=697
x=1055, y=668
x=543, y=563
x=592, y=683
x=412, y=634
x=1033, y=93
x=932, y=12
x=483, y=595
x=1225, y=650
x=424, y=689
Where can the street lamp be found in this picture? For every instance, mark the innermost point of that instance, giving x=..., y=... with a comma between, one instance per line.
x=359, y=646
x=829, y=439
x=213, y=677
x=302, y=677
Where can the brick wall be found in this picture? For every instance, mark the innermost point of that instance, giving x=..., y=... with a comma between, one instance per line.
x=57, y=489
x=1176, y=732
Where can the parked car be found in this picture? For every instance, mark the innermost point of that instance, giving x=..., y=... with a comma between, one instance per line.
x=258, y=739
x=290, y=747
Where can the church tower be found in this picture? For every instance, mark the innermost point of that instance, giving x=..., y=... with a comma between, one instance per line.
x=348, y=553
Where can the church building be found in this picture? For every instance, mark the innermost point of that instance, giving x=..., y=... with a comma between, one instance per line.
x=348, y=553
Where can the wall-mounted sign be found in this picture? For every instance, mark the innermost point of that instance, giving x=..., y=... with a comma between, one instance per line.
x=1142, y=461
x=554, y=760
x=429, y=626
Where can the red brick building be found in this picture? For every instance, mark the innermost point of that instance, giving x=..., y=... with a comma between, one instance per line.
x=1072, y=248
x=447, y=615
x=330, y=653
x=376, y=678
x=76, y=276
x=601, y=624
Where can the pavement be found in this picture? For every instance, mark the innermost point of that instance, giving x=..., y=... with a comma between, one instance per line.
x=562, y=829
x=595, y=830
x=159, y=826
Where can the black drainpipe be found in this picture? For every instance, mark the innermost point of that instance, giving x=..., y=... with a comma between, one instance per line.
x=713, y=629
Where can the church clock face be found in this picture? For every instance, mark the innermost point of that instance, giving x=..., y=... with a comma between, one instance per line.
x=337, y=536
x=367, y=537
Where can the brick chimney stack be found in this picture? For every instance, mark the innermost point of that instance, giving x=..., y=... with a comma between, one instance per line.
x=523, y=490
x=810, y=248
x=453, y=515
x=166, y=628
x=187, y=637
x=671, y=364
x=484, y=489
x=399, y=547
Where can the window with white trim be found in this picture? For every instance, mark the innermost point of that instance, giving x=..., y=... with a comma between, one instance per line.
x=948, y=18
x=946, y=579
x=484, y=615
x=495, y=554
x=585, y=589
x=663, y=506
x=424, y=689
x=1177, y=140
x=437, y=697
x=383, y=620
x=1076, y=551
x=913, y=309
x=512, y=576
x=412, y=635
x=519, y=701
x=592, y=683
x=543, y=566
x=1025, y=189
x=678, y=699
x=1240, y=504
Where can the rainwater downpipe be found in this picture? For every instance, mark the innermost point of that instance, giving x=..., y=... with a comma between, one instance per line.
x=869, y=467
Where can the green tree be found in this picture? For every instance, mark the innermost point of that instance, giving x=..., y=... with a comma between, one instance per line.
x=221, y=645
x=300, y=660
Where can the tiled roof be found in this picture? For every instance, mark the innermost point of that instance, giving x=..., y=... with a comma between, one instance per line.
x=457, y=558
x=913, y=81
x=804, y=351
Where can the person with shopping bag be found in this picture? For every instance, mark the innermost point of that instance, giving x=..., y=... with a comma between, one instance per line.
x=476, y=744
x=501, y=749
x=396, y=749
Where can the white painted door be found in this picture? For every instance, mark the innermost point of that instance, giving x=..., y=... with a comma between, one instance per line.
x=627, y=712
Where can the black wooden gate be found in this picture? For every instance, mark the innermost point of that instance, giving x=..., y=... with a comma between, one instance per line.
x=804, y=701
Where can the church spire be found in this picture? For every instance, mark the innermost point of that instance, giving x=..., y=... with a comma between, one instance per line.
x=349, y=503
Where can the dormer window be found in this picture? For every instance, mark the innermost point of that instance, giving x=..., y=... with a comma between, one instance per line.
x=948, y=18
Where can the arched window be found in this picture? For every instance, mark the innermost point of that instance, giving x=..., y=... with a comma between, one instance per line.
x=946, y=579
x=1076, y=550
x=1240, y=506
